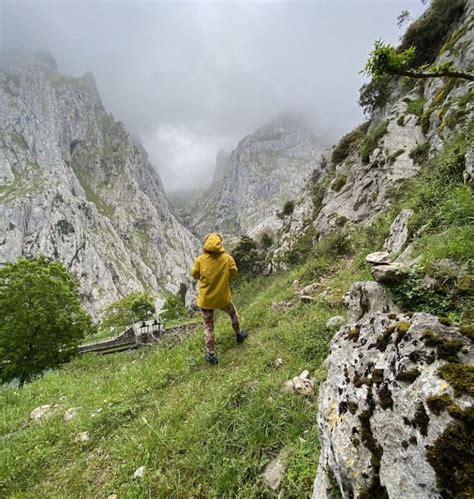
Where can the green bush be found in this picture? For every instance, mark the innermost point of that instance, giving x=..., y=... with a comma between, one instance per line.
x=415, y=106
x=349, y=143
x=375, y=94
x=419, y=153
x=130, y=309
x=414, y=295
x=247, y=256
x=174, y=308
x=372, y=139
x=42, y=318
x=288, y=208
x=266, y=240
x=428, y=33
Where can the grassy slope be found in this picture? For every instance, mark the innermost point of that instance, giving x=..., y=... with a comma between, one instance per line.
x=199, y=430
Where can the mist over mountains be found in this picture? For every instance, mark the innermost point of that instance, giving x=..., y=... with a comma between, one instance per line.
x=192, y=79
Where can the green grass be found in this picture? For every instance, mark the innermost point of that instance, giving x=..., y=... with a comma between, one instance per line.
x=199, y=430
x=371, y=141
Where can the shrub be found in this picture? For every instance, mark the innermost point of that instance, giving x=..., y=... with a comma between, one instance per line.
x=375, y=94
x=372, y=139
x=338, y=183
x=415, y=106
x=266, y=240
x=174, y=308
x=247, y=256
x=419, y=153
x=414, y=295
x=428, y=33
x=130, y=309
x=349, y=143
x=42, y=318
x=288, y=208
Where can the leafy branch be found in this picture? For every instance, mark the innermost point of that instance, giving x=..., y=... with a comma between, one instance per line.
x=385, y=59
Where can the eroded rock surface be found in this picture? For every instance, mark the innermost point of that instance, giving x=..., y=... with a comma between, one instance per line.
x=383, y=417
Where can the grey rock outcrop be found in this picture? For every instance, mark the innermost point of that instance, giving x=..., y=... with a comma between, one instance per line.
x=398, y=235
x=358, y=188
x=366, y=298
x=75, y=187
x=381, y=419
x=267, y=168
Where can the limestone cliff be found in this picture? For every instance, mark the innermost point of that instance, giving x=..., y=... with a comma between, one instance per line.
x=74, y=186
x=250, y=186
x=372, y=161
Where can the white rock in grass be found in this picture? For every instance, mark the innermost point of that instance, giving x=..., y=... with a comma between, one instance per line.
x=304, y=374
x=278, y=362
x=70, y=414
x=112, y=496
x=83, y=436
x=273, y=473
x=42, y=412
x=139, y=472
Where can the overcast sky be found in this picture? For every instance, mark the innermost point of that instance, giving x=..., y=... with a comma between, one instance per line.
x=193, y=77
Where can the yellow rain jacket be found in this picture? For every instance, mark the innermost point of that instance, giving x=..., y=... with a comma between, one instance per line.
x=214, y=269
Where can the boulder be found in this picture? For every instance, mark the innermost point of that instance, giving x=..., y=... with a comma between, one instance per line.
x=378, y=257
x=310, y=289
x=389, y=274
x=365, y=298
x=398, y=235
x=390, y=420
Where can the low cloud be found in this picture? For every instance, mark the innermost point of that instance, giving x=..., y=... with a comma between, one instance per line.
x=193, y=77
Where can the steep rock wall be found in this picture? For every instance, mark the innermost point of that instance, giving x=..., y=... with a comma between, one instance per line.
x=75, y=187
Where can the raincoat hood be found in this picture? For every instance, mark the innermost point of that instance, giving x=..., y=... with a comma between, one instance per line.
x=213, y=244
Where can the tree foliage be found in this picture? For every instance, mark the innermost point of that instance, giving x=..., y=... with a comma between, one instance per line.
x=42, y=318
x=129, y=309
x=429, y=32
x=247, y=256
x=174, y=308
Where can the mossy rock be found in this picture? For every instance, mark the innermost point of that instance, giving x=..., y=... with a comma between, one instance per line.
x=459, y=376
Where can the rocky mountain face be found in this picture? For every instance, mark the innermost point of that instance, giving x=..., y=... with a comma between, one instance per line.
x=74, y=186
x=395, y=412
x=251, y=185
x=372, y=161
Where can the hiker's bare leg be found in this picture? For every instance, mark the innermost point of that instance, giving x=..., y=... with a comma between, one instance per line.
x=234, y=317
x=209, y=340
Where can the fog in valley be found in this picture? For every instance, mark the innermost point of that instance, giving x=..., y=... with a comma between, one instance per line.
x=192, y=78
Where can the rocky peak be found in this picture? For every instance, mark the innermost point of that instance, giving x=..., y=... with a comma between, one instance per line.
x=267, y=168
x=75, y=187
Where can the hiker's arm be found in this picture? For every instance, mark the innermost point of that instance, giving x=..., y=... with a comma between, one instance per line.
x=196, y=272
x=232, y=268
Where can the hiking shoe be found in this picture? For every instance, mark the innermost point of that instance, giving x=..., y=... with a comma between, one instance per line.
x=211, y=358
x=241, y=336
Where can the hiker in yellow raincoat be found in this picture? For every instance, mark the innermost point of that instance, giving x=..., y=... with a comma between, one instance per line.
x=214, y=269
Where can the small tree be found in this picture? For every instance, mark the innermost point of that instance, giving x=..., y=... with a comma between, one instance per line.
x=247, y=257
x=174, y=308
x=386, y=59
x=129, y=309
x=288, y=208
x=266, y=240
x=42, y=321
